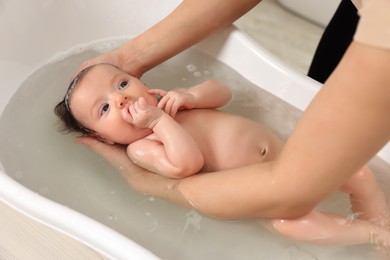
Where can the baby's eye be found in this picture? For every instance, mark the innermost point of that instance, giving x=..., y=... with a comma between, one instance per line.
x=104, y=109
x=123, y=84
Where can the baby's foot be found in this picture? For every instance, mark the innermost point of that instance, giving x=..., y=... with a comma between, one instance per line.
x=380, y=238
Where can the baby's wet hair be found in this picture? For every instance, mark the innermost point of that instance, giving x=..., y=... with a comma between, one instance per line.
x=69, y=124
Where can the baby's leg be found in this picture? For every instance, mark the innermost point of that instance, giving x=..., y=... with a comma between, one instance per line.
x=368, y=203
x=367, y=199
x=324, y=229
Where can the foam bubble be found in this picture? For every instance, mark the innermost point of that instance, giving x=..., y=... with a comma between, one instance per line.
x=191, y=67
x=197, y=73
x=111, y=216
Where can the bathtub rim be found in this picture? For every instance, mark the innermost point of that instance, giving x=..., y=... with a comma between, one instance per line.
x=61, y=219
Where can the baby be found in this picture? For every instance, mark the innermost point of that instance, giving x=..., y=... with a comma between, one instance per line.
x=180, y=132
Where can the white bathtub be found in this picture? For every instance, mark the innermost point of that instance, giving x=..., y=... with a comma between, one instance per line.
x=37, y=30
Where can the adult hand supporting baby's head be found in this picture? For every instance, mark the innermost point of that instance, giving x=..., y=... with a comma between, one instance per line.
x=116, y=156
x=115, y=58
x=140, y=179
x=111, y=57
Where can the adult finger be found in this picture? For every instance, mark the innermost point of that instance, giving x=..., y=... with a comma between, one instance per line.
x=116, y=155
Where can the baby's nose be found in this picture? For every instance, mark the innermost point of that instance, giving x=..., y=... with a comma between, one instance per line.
x=121, y=100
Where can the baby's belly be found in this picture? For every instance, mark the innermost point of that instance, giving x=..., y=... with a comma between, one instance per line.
x=229, y=141
x=243, y=153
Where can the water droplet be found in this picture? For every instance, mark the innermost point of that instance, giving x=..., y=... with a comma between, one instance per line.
x=153, y=225
x=191, y=67
x=193, y=220
x=197, y=73
x=111, y=216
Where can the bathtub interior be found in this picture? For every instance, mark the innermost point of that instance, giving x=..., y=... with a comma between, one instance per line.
x=80, y=192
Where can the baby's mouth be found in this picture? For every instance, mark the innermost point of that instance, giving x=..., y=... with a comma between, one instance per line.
x=126, y=115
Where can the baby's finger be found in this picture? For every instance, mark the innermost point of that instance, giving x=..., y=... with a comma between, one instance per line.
x=162, y=103
x=142, y=103
x=133, y=110
x=160, y=92
x=126, y=115
x=168, y=106
x=175, y=107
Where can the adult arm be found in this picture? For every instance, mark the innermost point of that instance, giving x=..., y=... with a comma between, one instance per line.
x=140, y=179
x=191, y=22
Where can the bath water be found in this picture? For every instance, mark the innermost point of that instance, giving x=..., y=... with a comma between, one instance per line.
x=49, y=163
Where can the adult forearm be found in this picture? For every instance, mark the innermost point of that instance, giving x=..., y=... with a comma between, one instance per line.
x=189, y=23
x=253, y=191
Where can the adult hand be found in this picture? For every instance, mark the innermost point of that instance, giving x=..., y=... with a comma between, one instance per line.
x=165, y=39
x=138, y=178
x=112, y=57
x=115, y=58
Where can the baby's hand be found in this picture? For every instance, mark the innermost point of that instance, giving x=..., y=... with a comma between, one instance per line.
x=144, y=115
x=174, y=100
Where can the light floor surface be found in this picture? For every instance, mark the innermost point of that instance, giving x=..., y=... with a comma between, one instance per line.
x=284, y=34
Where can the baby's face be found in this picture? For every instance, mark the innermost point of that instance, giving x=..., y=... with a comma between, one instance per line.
x=100, y=99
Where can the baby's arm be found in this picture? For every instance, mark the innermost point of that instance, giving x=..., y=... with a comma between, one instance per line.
x=209, y=94
x=170, y=151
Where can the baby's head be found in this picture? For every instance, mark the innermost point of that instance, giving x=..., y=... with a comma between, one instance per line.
x=96, y=101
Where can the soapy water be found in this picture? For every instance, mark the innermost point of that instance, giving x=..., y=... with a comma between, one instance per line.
x=49, y=163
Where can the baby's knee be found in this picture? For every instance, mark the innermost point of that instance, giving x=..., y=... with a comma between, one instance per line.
x=364, y=174
x=362, y=177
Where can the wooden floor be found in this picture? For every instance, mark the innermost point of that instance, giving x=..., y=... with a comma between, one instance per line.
x=23, y=238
